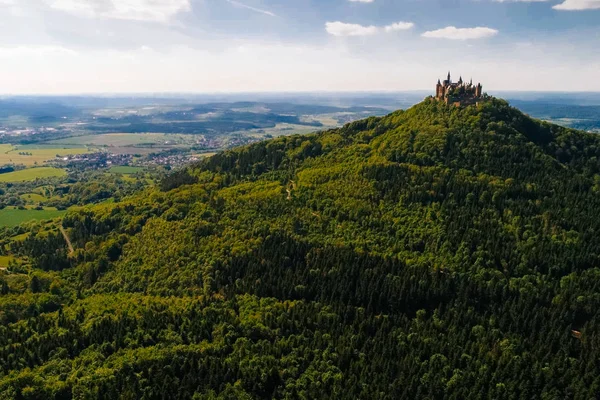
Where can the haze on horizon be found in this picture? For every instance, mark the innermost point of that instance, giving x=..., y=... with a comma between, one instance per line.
x=168, y=46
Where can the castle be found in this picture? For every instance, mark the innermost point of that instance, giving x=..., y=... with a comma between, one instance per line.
x=458, y=93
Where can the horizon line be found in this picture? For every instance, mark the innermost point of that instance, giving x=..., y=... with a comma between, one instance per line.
x=291, y=92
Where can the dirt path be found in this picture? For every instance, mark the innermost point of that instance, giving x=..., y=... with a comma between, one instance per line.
x=289, y=191
x=64, y=233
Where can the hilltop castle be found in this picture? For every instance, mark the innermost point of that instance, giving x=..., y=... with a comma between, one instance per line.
x=458, y=93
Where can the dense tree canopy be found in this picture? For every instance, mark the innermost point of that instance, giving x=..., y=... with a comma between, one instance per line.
x=435, y=253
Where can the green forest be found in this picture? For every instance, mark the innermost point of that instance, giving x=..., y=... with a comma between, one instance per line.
x=434, y=253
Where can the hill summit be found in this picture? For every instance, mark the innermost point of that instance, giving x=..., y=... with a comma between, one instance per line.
x=435, y=253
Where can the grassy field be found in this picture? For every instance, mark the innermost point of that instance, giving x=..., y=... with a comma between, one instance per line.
x=4, y=260
x=125, y=140
x=204, y=155
x=123, y=169
x=284, y=129
x=20, y=238
x=32, y=174
x=11, y=216
x=35, y=154
x=33, y=197
x=43, y=146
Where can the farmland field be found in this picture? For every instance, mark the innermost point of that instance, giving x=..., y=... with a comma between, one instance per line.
x=125, y=140
x=279, y=130
x=32, y=174
x=42, y=146
x=204, y=155
x=30, y=155
x=123, y=169
x=11, y=216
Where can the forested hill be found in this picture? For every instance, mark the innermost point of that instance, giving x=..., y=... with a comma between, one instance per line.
x=434, y=253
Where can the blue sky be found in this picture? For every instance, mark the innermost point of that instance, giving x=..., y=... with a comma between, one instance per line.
x=111, y=46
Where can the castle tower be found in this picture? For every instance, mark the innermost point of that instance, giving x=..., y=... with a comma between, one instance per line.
x=478, y=90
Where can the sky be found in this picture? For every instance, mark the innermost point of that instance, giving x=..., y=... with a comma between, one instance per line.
x=207, y=46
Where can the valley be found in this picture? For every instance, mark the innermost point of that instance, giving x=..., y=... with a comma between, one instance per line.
x=63, y=142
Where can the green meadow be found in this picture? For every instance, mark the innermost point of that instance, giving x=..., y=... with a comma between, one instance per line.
x=32, y=174
x=33, y=197
x=11, y=216
x=31, y=155
x=5, y=260
x=124, y=169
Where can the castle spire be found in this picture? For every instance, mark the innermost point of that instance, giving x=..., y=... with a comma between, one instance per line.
x=448, y=76
x=439, y=83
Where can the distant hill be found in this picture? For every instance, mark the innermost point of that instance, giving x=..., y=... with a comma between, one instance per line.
x=586, y=117
x=433, y=253
x=38, y=112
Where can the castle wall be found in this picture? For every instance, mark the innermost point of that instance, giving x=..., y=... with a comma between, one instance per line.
x=464, y=95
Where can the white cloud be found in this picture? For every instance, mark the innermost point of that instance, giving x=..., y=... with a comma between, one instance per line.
x=258, y=10
x=140, y=10
x=343, y=29
x=454, y=33
x=520, y=1
x=577, y=5
x=399, y=26
x=14, y=8
x=361, y=1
